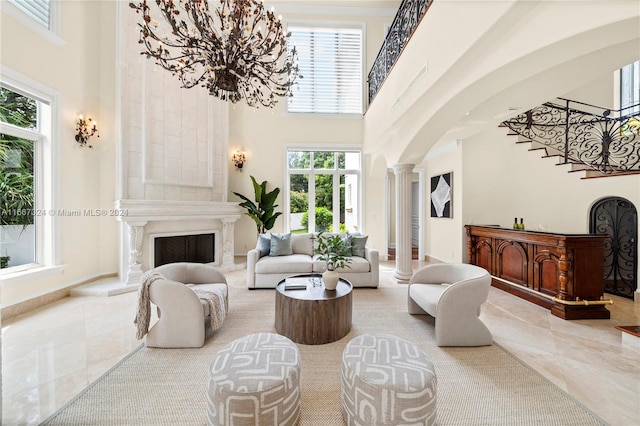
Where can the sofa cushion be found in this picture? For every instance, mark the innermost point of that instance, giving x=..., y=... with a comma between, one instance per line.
x=293, y=264
x=358, y=243
x=264, y=244
x=280, y=245
x=302, y=244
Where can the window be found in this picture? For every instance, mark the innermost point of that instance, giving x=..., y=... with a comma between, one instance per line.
x=26, y=217
x=39, y=10
x=316, y=190
x=630, y=89
x=40, y=16
x=330, y=61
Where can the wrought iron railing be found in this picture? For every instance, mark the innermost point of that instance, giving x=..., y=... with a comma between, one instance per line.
x=602, y=139
x=404, y=24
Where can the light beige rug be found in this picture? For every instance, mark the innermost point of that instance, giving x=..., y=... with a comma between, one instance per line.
x=476, y=386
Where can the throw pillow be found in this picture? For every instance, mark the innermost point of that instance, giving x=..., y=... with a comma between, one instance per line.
x=264, y=244
x=358, y=244
x=280, y=245
x=347, y=241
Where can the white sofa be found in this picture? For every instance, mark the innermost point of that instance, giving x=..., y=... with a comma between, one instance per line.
x=267, y=271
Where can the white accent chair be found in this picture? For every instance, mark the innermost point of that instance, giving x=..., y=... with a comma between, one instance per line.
x=181, y=314
x=452, y=293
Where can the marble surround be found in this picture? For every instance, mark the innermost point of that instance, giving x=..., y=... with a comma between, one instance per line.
x=172, y=161
x=53, y=352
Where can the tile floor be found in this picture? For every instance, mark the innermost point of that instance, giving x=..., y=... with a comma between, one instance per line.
x=52, y=353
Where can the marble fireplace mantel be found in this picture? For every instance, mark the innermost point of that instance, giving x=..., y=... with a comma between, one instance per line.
x=144, y=219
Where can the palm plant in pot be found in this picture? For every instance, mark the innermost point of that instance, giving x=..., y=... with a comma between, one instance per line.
x=262, y=209
x=335, y=251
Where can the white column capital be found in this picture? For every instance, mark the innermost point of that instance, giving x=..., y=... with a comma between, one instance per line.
x=403, y=168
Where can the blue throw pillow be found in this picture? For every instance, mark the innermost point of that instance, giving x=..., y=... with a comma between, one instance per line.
x=264, y=244
x=280, y=245
x=358, y=243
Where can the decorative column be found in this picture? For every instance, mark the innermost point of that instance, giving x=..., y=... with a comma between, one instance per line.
x=403, y=271
x=227, y=242
x=136, y=231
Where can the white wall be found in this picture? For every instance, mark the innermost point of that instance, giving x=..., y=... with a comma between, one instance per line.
x=265, y=134
x=445, y=234
x=82, y=71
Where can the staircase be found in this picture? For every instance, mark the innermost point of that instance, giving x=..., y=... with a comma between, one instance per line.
x=596, y=141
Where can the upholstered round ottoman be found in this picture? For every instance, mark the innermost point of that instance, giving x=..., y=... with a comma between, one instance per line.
x=255, y=380
x=387, y=381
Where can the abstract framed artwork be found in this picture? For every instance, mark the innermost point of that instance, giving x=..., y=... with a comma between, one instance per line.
x=442, y=195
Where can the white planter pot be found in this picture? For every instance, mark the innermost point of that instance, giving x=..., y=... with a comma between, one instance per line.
x=330, y=279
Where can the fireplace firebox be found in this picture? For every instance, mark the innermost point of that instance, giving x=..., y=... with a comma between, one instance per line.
x=184, y=248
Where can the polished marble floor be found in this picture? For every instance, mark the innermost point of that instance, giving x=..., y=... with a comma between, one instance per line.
x=51, y=354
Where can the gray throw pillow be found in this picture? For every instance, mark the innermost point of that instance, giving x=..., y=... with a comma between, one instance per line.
x=358, y=244
x=264, y=244
x=346, y=240
x=280, y=245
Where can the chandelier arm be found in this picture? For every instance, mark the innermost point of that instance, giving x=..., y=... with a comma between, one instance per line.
x=237, y=51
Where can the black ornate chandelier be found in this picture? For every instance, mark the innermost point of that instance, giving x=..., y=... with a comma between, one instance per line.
x=238, y=52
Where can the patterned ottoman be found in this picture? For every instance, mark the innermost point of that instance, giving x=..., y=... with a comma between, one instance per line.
x=387, y=381
x=255, y=381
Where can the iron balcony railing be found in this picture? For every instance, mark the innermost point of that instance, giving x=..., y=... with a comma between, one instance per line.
x=409, y=15
x=602, y=139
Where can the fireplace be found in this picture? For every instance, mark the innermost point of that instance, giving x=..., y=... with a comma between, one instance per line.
x=199, y=248
x=204, y=231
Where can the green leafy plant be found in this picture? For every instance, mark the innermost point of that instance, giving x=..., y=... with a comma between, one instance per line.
x=324, y=219
x=4, y=261
x=333, y=250
x=262, y=208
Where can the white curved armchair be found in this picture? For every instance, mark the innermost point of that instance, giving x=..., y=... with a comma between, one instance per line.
x=181, y=313
x=452, y=293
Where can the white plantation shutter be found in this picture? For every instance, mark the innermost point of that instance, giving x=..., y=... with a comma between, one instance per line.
x=330, y=61
x=630, y=88
x=37, y=9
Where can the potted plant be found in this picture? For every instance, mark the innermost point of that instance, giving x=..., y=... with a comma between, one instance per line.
x=262, y=210
x=336, y=253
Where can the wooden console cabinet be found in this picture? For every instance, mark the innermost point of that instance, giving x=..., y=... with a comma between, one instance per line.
x=563, y=273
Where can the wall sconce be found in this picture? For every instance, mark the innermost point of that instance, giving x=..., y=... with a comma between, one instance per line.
x=238, y=159
x=85, y=129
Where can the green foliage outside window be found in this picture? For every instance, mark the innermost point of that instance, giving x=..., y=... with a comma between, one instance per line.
x=16, y=160
x=299, y=202
x=324, y=219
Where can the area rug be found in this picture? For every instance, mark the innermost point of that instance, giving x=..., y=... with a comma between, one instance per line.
x=476, y=386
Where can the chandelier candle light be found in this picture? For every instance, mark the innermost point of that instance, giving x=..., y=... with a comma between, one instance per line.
x=238, y=52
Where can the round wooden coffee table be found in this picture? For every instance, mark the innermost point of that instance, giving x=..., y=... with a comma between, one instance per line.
x=313, y=315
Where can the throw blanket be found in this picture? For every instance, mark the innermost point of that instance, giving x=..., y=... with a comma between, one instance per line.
x=143, y=316
x=217, y=305
x=215, y=299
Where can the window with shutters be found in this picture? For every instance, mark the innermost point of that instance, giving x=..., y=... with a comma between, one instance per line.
x=40, y=16
x=630, y=89
x=39, y=10
x=331, y=64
